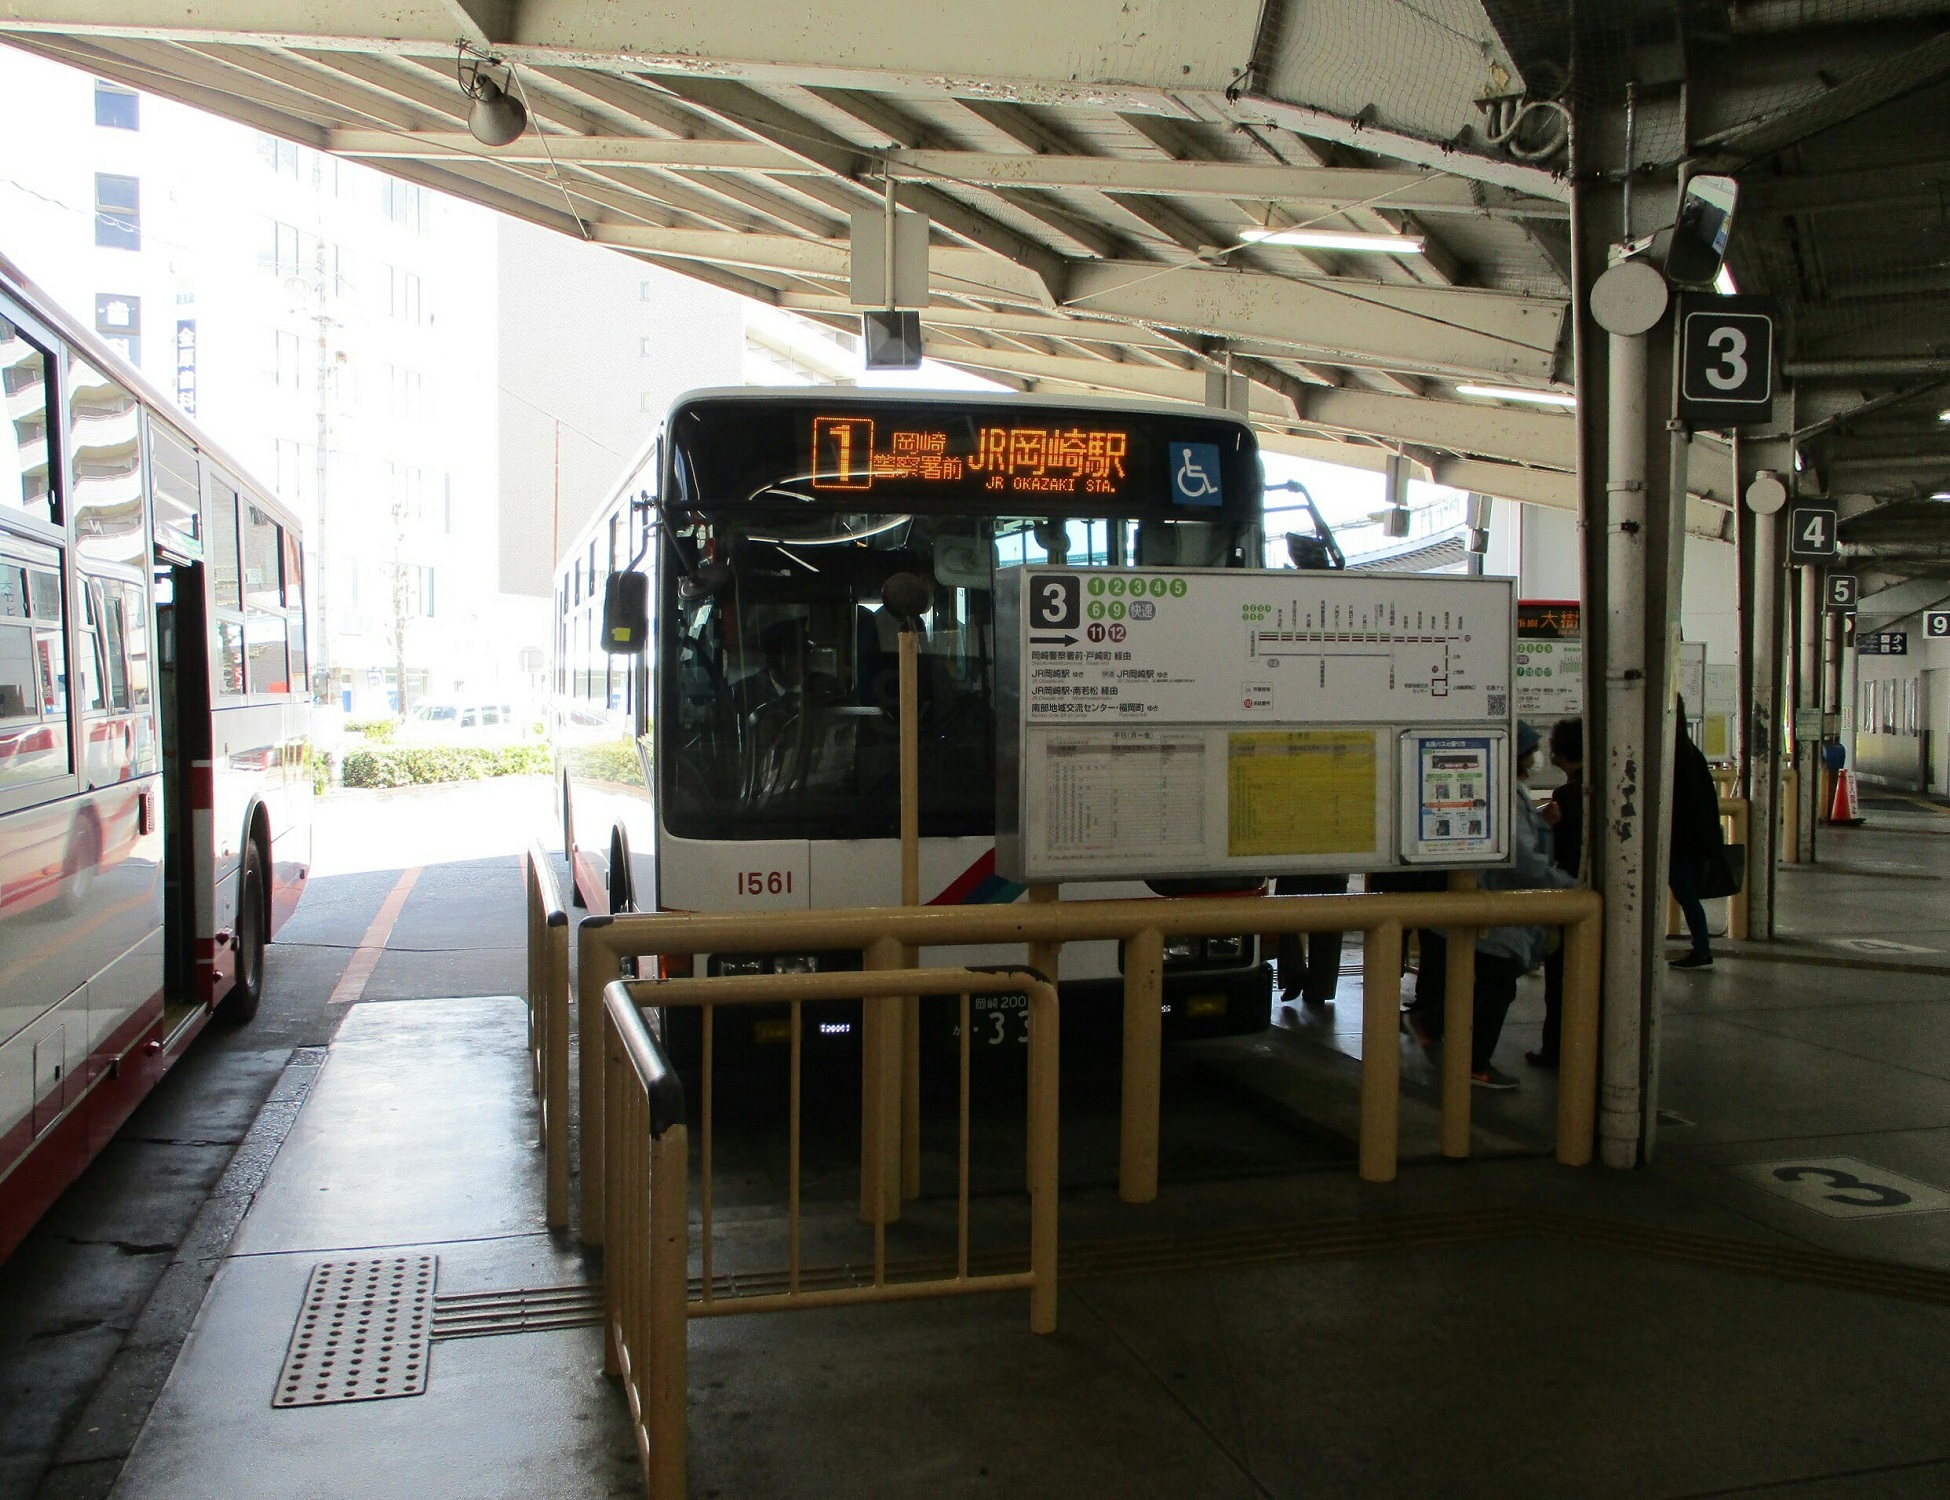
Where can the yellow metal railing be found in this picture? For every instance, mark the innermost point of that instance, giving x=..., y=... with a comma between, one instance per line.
x=548, y=1023
x=646, y=1262
x=646, y=1202
x=885, y=936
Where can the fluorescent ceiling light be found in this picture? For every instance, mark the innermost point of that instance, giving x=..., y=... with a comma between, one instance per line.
x=1336, y=239
x=1517, y=393
x=1724, y=283
x=1943, y=416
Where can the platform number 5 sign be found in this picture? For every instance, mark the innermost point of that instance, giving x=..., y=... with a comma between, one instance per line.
x=1811, y=532
x=1726, y=356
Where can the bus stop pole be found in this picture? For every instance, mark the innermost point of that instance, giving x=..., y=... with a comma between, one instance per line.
x=910, y=1008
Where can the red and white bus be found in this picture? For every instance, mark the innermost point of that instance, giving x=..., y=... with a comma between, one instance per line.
x=766, y=777
x=155, y=779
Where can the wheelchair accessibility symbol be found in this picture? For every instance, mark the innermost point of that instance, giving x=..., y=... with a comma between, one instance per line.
x=1195, y=474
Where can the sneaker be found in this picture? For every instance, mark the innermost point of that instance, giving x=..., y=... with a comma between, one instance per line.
x=1418, y=1027
x=1492, y=1078
x=1541, y=1059
x=1692, y=961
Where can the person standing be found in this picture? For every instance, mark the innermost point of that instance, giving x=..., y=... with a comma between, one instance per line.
x=1696, y=840
x=1503, y=954
x=1565, y=815
x=1310, y=963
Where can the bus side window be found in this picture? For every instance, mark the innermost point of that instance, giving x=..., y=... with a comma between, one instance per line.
x=34, y=744
x=26, y=472
x=226, y=577
x=294, y=604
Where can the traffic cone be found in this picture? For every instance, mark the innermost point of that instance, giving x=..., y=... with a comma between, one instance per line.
x=1845, y=811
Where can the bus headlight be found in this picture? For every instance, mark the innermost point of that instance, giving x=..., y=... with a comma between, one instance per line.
x=1225, y=950
x=738, y=966
x=796, y=963
x=1181, y=950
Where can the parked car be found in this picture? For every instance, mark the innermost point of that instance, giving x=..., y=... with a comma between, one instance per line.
x=451, y=723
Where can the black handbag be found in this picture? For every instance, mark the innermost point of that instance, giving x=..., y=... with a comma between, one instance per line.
x=1723, y=871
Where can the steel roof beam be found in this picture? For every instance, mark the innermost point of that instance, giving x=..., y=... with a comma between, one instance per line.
x=1420, y=329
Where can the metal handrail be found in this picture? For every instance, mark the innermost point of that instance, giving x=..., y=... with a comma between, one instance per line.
x=646, y=1205
x=645, y=1265
x=548, y=1022
x=884, y=937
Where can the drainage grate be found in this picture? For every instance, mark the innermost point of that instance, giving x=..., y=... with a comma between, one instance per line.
x=363, y=1334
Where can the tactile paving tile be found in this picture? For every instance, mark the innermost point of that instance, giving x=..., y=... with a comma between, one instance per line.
x=363, y=1334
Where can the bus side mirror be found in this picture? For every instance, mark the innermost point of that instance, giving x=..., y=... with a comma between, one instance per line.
x=626, y=613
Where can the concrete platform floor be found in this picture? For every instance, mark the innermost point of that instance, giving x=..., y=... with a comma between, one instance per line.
x=1719, y=1323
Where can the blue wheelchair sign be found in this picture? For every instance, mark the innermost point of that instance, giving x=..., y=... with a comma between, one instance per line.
x=1195, y=474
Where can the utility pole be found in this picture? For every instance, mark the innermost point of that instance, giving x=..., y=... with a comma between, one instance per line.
x=322, y=648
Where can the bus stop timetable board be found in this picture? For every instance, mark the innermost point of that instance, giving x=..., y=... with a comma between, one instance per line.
x=1204, y=722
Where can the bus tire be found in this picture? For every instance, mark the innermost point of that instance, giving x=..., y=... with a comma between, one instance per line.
x=247, y=988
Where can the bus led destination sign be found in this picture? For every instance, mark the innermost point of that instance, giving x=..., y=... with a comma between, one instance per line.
x=850, y=453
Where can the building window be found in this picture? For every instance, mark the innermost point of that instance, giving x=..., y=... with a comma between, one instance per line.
x=288, y=472
x=286, y=371
x=447, y=504
x=420, y=593
x=118, y=212
x=647, y=401
x=281, y=250
x=406, y=393
x=343, y=268
x=402, y=295
x=117, y=108
x=648, y=346
x=280, y=156
x=646, y=291
x=118, y=319
x=405, y=203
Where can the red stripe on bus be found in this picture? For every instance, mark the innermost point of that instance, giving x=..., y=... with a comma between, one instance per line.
x=38, y=1171
x=202, y=786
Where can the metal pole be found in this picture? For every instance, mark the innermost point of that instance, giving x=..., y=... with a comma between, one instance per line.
x=1625, y=759
x=1761, y=738
x=910, y=1008
x=1458, y=1027
x=1381, y=1050
x=1807, y=756
x=1144, y=998
x=880, y=1082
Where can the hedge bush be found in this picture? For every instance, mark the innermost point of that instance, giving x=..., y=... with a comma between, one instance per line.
x=421, y=765
x=608, y=760
x=373, y=729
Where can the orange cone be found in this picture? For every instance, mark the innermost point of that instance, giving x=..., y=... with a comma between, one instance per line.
x=1845, y=809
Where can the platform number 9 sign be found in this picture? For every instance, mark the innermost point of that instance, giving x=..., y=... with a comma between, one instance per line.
x=1811, y=532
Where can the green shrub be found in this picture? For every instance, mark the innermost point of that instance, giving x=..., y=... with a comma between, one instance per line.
x=321, y=771
x=421, y=765
x=611, y=760
x=373, y=729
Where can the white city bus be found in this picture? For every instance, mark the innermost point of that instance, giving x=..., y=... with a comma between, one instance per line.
x=748, y=760
x=155, y=786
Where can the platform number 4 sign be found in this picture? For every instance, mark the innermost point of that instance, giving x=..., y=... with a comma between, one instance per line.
x=1726, y=355
x=1811, y=532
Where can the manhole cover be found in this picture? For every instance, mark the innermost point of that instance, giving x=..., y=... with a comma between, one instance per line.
x=363, y=1333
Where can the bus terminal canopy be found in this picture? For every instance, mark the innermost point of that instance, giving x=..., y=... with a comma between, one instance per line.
x=1099, y=177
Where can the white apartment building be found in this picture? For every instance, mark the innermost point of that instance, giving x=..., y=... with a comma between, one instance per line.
x=438, y=390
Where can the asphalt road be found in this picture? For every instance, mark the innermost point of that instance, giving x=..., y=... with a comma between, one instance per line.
x=96, y=1302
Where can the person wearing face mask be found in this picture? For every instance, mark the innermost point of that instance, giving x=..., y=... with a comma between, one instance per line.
x=1505, y=954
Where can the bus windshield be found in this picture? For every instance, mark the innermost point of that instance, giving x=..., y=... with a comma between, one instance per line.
x=779, y=667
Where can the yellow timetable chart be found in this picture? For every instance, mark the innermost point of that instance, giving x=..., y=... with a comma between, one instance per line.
x=1301, y=791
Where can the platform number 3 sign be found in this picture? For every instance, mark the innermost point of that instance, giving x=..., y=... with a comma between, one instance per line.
x=1726, y=376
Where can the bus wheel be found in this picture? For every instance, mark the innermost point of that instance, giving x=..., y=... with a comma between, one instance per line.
x=247, y=992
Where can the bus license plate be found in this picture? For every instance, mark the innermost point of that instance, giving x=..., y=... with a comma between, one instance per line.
x=998, y=1020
